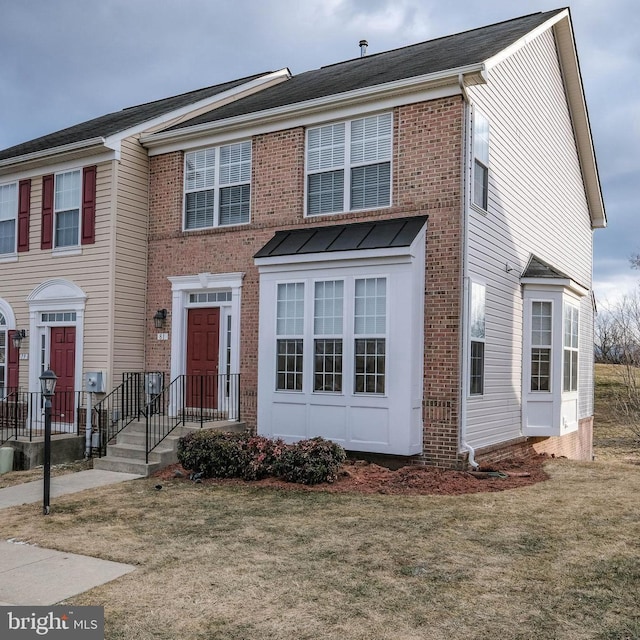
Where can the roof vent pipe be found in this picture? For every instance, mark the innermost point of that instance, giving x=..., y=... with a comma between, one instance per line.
x=363, y=44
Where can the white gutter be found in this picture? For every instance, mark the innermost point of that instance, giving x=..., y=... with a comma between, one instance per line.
x=36, y=156
x=466, y=190
x=405, y=85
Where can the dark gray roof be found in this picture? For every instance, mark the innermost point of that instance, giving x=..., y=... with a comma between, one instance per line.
x=451, y=52
x=120, y=120
x=376, y=234
x=538, y=268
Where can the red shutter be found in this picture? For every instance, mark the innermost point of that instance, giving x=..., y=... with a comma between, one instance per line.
x=89, y=205
x=13, y=366
x=46, y=241
x=24, y=208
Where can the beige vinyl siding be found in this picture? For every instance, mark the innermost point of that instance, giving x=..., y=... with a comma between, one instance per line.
x=536, y=205
x=88, y=269
x=130, y=258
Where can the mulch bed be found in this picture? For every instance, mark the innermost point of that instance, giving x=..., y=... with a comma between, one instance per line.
x=358, y=476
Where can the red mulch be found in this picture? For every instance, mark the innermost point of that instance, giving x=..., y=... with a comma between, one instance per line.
x=368, y=478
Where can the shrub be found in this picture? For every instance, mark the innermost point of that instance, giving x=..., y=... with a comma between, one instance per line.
x=215, y=454
x=310, y=461
x=262, y=454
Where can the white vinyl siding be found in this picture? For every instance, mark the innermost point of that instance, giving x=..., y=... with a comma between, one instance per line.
x=8, y=217
x=348, y=165
x=536, y=205
x=218, y=186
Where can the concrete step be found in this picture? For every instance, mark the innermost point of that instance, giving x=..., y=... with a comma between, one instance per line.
x=128, y=453
x=126, y=465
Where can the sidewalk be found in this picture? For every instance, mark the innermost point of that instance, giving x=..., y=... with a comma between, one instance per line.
x=32, y=575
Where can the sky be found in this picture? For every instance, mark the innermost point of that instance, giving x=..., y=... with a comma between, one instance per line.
x=66, y=61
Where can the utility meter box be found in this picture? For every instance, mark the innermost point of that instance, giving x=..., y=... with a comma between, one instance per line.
x=94, y=381
x=153, y=383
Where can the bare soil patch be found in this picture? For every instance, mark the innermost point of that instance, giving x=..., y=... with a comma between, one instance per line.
x=359, y=476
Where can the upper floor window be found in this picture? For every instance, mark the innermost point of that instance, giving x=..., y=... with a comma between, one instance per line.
x=217, y=186
x=348, y=165
x=66, y=209
x=541, y=342
x=8, y=217
x=480, y=160
x=477, y=339
x=570, y=348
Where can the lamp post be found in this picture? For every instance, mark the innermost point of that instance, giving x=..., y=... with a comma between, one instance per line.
x=48, y=386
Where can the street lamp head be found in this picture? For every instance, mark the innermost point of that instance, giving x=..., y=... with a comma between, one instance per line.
x=18, y=336
x=48, y=383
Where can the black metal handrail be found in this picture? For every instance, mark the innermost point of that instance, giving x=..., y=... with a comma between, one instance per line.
x=22, y=414
x=191, y=399
x=126, y=403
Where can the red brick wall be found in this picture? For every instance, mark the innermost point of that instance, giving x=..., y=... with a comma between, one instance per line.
x=427, y=156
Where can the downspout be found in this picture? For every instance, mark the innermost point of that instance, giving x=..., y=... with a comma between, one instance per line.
x=465, y=276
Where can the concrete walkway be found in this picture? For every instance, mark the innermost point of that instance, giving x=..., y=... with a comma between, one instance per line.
x=31, y=575
x=60, y=485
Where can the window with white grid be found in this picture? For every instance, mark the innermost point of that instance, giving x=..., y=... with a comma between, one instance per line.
x=289, y=331
x=570, y=348
x=541, y=336
x=477, y=338
x=349, y=165
x=370, y=326
x=67, y=209
x=8, y=217
x=217, y=186
x=327, y=328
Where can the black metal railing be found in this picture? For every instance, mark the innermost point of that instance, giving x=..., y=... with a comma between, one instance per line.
x=126, y=403
x=22, y=414
x=191, y=399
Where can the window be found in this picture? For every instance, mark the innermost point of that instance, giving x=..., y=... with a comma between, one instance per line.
x=67, y=209
x=289, y=329
x=217, y=186
x=370, y=315
x=477, y=339
x=349, y=165
x=541, y=337
x=480, y=160
x=570, y=349
x=8, y=216
x=327, y=322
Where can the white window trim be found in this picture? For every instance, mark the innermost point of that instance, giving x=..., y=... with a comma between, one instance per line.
x=474, y=159
x=347, y=165
x=471, y=339
x=576, y=308
x=216, y=188
x=10, y=256
x=68, y=248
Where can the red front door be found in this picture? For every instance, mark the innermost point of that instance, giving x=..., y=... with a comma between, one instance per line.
x=63, y=364
x=203, y=345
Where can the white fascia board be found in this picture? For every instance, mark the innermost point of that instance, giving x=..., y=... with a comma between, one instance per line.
x=295, y=113
x=553, y=284
x=57, y=164
x=525, y=40
x=570, y=66
x=189, y=111
x=49, y=156
x=226, y=133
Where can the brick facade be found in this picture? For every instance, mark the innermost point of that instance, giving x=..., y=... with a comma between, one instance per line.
x=427, y=155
